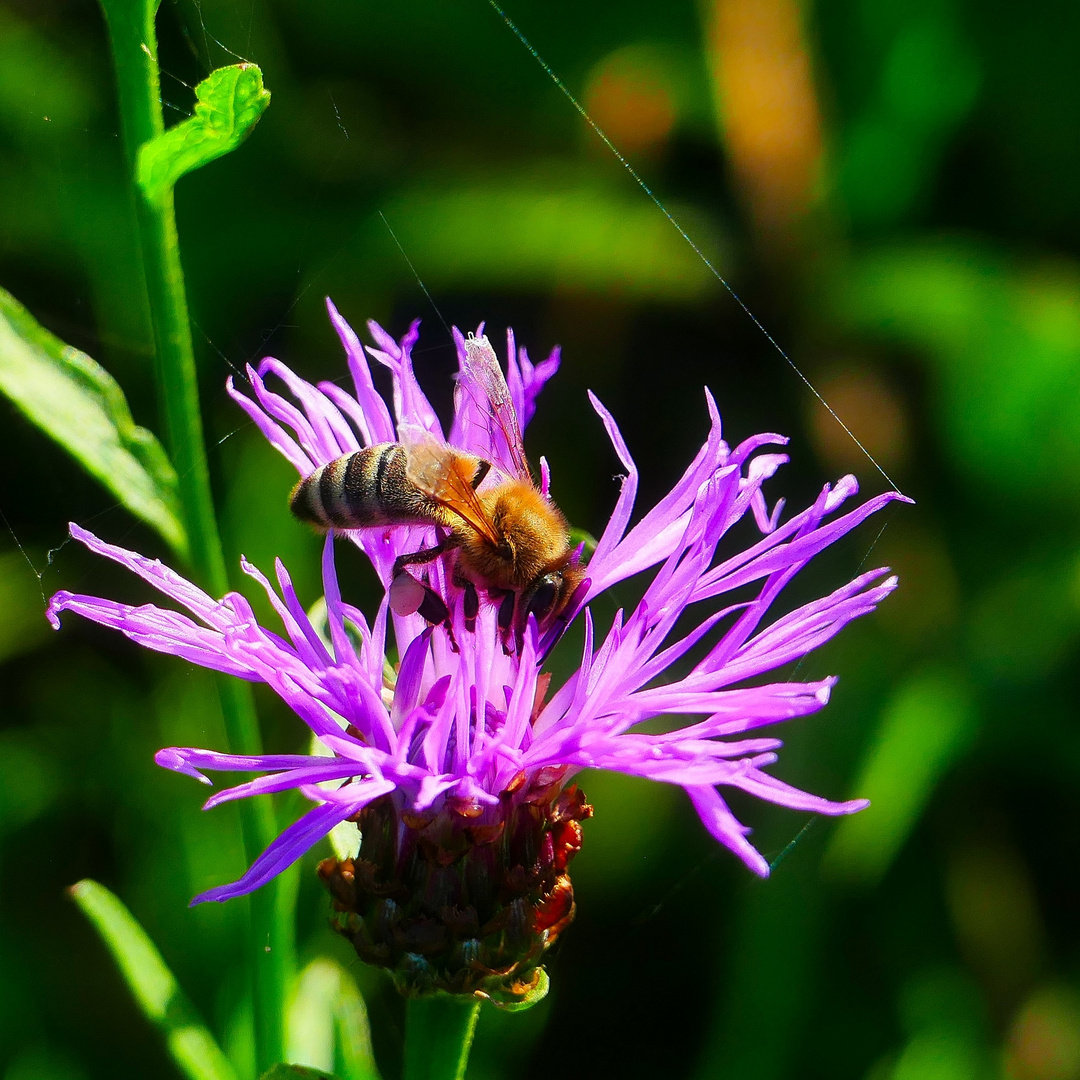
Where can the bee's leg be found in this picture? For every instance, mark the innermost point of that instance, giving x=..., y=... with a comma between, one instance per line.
x=433, y=608
x=470, y=599
x=409, y=596
x=425, y=555
x=507, y=607
x=481, y=471
x=470, y=604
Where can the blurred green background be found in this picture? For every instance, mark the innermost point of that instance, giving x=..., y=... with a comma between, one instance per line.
x=893, y=189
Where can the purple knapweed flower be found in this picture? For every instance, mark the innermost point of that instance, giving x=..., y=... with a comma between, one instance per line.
x=456, y=761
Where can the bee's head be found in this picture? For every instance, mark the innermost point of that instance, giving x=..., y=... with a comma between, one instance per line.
x=547, y=596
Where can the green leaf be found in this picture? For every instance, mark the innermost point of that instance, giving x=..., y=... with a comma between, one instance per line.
x=928, y=723
x=580, y=536
x=295, y=1072
x=228, y=104
x=529, y=232
x=163, y=1003
x=327, y=1010
x=1001, y=341
x=78, y=403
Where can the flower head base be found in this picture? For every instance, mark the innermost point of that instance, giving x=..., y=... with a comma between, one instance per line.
x=454, y=766
x=467, y=899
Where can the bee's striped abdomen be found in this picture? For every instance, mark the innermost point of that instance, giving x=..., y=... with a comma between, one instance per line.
x=362, y=489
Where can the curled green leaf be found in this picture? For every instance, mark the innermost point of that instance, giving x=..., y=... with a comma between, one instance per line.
x=153, y=985
x=75, y=401
x=533, y=996
x=228, y=104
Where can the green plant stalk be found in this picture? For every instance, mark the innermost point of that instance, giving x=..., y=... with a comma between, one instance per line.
x=438, y=1036
x=134, y=45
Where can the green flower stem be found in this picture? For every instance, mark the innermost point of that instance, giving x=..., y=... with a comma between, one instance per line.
x=134, y=44
x=438, y=1036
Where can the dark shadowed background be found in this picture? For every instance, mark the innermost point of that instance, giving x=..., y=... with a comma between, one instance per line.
x=892, y=187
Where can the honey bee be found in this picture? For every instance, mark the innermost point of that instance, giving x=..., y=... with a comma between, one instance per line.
x=506, y=538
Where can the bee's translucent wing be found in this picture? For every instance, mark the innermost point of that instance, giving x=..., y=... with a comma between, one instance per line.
x=482, y=375
x=445, y=475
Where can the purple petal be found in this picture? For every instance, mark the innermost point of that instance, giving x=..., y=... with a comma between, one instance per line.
x=734, y=711
x=287, y=413
x=157, y=629
x=343, y=648
x=750, y=565
x=525, y=379
x=380, y=427
x=776, y=791
x=294, y=842
x=410, y=678
x=624, y=506
x=723, y=825
x=211, y=611
x=275, y=434
x=190, y=761
x=331, y=433
x=411, y=406
x=317, y=771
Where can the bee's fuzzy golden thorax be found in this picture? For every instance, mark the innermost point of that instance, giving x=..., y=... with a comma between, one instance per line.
x=532, y=534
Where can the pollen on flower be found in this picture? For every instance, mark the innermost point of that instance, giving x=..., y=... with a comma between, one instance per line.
x=456, y=761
